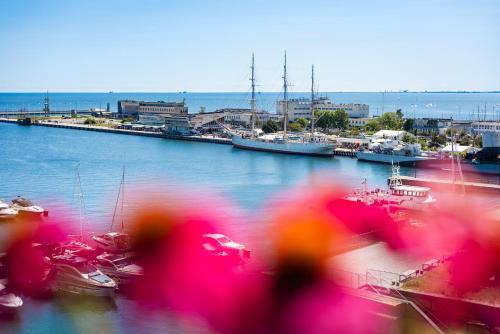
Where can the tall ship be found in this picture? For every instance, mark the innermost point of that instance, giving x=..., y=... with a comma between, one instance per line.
x=306, y=144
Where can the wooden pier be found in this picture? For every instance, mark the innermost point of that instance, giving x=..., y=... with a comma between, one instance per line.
x=448, y=185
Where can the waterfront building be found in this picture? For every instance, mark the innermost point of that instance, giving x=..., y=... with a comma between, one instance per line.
x=229, y=116
x=462, y=126
x=128, y=108
x=155, y=113
x=490, y=133
x=431, y=125
x=301, y=108
x=485, y=126
x=177, y=125
x=359, y=122
x=150, y=113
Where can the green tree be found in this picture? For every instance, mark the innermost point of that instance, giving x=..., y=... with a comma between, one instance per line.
x=270, y=126
x=373, y=125
x=340, y=119
x=295, y=127
x=89, y=121
x=329, y=119
x=202, y=110
x=390, y=121
x=353, y=131
x=303, y=122
x=399, y=113
x=423, y=143
x=410, y=139
x=325, y=119
x=437, y=140
x=478, y=141
x=408, y=124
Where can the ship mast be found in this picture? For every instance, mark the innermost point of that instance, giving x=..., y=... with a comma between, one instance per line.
x=285, y=100
x=252, y=101
x=312, y=100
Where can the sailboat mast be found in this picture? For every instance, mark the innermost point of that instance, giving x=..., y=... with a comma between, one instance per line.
x=312, y=100
x=82, y=203
x=123, y=194
x=285, y=100
x=252, y=101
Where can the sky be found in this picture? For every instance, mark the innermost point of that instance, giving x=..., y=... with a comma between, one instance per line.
x=206, y=45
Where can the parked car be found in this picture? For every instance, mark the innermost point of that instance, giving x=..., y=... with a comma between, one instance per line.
x=216, y=244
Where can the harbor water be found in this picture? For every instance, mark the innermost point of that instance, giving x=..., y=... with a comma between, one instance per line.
x=40, y=163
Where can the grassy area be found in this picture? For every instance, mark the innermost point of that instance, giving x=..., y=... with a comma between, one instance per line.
x=437, y=281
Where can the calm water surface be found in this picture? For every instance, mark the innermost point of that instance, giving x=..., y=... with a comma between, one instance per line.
x=40, y=163
x=458, y=105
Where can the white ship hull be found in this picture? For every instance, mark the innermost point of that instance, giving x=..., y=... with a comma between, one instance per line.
x=389, y=158
x=290, y=147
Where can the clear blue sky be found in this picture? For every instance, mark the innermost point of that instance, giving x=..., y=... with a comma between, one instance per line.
x=205, y=45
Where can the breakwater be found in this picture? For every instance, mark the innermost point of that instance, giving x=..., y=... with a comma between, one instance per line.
x=205, y=139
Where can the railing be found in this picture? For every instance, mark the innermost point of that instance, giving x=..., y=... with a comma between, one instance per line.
x=378, y=284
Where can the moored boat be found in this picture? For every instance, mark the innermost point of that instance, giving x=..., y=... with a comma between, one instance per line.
x=398, y=197
x=113, y=242
x=120, y=267
x=8, y=301
x=7, y=212
x=26, y=207
x=276, y=143
x=76, y=275
x=392, y=151
x=283, y=143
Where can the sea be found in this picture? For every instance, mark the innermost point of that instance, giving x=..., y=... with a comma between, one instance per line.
x=416, y=105
x=78, y=173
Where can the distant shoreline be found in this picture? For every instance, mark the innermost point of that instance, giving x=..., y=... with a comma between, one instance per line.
x=269, y=92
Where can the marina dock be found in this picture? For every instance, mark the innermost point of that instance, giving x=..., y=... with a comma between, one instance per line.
x=345, y=152
x=447, y=185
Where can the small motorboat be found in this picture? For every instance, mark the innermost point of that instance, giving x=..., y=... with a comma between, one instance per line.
x=120, y=267
x=74, y=274
x=113, y=242
x=7, y=212
x=8, y=301
x=26, y=207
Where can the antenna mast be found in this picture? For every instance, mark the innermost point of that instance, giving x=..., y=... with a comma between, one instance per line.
x=252, y=101
x=285, y=100
x=46, y=108
x=312, y=100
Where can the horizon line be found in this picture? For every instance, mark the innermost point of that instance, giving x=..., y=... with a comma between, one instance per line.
x=245, y=92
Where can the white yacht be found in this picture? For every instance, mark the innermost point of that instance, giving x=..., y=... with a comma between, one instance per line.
x=26, y=207
x=120, y=267
x=8, y=300
x=77, y=275
x=283, y=142
x=114, y=242
x=392, y=151
x=7, y=212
